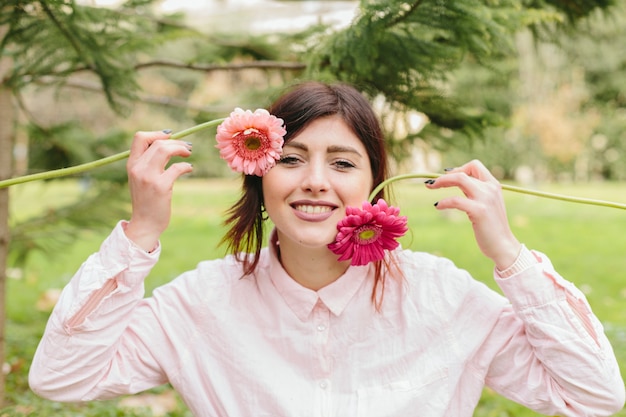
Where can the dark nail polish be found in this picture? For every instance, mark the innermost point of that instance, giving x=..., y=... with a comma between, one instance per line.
x=436, y=204
x=189, y=143
x=448, y=169
x=167, y=131
x=429, y=182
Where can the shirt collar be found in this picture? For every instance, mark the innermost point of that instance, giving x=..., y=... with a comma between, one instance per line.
x=302, y=300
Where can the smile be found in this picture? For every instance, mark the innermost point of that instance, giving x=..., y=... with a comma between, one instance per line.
x=312, y=209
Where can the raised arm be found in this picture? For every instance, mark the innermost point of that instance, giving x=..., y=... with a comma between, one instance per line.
x=549, y=350
x=83, y=338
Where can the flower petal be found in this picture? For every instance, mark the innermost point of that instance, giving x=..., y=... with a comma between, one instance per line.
x=250, y=142
x=365, y=233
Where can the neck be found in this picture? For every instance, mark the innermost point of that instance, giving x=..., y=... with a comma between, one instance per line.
x=313, y=268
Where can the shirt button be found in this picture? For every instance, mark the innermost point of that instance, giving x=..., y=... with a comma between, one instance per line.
x=321, y=327
x=323, y=385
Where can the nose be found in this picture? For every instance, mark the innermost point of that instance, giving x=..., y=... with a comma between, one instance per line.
x=316, y=177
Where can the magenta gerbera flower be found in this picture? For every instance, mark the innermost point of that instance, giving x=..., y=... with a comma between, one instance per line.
x=251, y=142
x=364, y=234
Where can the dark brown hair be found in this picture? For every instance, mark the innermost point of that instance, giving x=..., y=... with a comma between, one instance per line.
x=298, y=107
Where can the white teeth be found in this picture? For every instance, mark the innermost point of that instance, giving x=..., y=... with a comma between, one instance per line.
x=313, y=209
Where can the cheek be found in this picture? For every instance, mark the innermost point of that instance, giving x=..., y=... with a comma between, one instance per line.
x=356, y=192
x=274, y=189
x=271, y=180
x=267, y=189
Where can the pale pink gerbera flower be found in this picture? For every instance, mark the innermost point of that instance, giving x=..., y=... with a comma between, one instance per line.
x=251, y=142
x=364, y=234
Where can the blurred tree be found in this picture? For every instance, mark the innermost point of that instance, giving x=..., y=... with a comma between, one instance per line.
x=6, y=150
x=564, y=99
x=600, y=59
x=407, y=51
x=49, y=42
x=56, y=39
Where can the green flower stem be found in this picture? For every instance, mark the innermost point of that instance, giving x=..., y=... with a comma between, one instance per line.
x=521, y=190
x=100, y=162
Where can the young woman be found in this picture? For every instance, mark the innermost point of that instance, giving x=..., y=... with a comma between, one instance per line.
x=289, y=330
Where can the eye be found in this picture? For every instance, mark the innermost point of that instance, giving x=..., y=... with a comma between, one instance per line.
x=289, y=160
x=343, y=164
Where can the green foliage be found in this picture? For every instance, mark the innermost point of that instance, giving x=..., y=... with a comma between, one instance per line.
x=56, y=228
x=48, y=43
x=595, y=47
x=69, y=144
x=407, y=51
x=576, y=79
x=228, y=47
x=51, y=40
x=411, y=53
x=59, y=221
x=573, y=10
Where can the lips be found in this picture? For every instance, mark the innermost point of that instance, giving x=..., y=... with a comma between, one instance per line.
x=315, y=211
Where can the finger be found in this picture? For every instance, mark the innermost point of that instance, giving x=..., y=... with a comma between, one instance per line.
x=457, y=179
x=161, y=151
x=142, y=141
x=175, y=171
x=151, y=164
x=476, y=169
x=454, y=202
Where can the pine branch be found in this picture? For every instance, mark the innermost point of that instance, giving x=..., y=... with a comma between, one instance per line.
x=271, y=65
x=402, y=17
x=278, y=65
x=68, y=36
x=145, y=98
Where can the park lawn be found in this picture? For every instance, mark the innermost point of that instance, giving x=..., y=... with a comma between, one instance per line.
x=586, y=244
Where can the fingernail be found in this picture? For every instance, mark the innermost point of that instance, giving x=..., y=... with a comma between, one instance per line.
x=448, y=169
x=189, y=143
x=167, y=131
x=429, y=182
x=436, y=204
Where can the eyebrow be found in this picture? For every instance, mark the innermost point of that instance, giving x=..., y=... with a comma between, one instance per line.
x=330, y=149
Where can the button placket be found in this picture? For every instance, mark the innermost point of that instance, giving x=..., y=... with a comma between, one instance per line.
x=321, y=323
x=322, y=360
x=323, y=399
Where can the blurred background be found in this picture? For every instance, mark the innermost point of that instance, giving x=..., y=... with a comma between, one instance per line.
x=536, y=89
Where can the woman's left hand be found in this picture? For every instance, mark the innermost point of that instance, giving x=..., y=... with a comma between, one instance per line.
x=484, y=205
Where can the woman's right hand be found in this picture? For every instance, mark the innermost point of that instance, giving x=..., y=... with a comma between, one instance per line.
x=151, y=184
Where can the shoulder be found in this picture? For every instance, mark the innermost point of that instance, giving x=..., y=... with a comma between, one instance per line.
x=426, y=265
x=211, y=281
x=426, y=275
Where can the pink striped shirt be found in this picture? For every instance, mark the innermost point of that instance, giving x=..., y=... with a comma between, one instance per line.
x=263, y=345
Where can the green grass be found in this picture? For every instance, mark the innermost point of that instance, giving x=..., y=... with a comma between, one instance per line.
x=586, y=244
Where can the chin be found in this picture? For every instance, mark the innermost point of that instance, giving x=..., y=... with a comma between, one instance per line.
x=316, y=242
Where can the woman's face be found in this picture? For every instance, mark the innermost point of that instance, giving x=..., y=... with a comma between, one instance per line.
x=323, y=169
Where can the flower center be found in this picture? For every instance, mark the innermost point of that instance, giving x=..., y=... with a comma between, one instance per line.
x=252, y=143
x=366, y=234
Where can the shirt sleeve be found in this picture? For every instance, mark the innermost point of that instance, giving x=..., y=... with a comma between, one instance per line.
x=83, y=332
x=552, y=354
